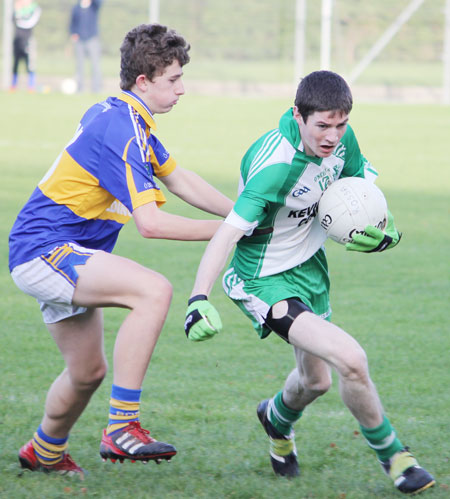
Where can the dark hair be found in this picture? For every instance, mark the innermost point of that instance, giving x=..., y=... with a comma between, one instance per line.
x=323, y=91
x=147, y=49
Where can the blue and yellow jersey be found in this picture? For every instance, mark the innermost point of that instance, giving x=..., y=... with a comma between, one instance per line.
x=102, y=175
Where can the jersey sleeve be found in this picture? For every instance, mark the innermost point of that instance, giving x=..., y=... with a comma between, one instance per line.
x=128, y=163
x=162, y=162
x=259, y=191
x=356, y=165
x=240, y=223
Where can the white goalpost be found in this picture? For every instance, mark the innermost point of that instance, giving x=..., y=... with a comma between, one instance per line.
x=385, y=38
x=376, y=49
x=153, y=11
x=299, y=40
x=325, y=34
x=446, y=55
x=328, y=9
x=7, y=43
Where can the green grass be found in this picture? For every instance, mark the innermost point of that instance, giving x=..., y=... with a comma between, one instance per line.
x=202, y=398
x=384, y=73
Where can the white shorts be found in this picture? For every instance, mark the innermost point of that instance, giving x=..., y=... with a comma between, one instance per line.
x=51, y=279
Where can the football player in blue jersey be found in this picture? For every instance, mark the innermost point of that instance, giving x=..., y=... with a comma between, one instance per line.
x=61, y=243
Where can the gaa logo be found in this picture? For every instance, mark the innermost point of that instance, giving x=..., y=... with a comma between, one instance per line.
x=326, y=221
x=298, y=192
x=353, y=232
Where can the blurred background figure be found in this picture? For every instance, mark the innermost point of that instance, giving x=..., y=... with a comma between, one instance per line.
x=84, y=33
x=25, y=17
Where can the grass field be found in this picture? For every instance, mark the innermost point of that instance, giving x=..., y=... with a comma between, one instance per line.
x=203, y=397
x=378, y=73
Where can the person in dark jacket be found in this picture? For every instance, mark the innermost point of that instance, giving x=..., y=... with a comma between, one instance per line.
x=84, y=33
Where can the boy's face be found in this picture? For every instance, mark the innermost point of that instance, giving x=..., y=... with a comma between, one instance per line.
x=163, y=92
x=322, y=131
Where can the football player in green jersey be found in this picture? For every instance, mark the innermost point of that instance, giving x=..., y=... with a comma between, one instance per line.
x=278, y=275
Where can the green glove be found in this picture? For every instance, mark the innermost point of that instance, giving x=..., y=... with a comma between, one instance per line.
x=375, y=239
x=202, y=319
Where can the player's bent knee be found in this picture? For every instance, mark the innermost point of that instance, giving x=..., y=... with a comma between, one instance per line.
x=281, y=325
x=90, y=379
x=161, y=287
x=162, y=295
x=317, y=383
x=154, y=293
x=355, y=366
x=318, y=387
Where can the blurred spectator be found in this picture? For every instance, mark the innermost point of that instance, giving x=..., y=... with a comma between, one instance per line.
x=84, y=33
x=25, y=17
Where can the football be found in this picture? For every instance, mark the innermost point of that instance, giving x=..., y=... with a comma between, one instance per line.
x=348, y=205
x=68, y=86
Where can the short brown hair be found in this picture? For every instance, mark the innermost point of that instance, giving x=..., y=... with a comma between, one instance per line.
x=323, y=91
x=147, y=49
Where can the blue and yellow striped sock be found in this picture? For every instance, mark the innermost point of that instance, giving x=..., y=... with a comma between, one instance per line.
x=124, y=408
x=281, y=416
x=48, y=450
x=382, y=439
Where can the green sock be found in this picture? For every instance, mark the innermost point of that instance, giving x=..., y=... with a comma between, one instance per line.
x=281, y=416
x=382, y=439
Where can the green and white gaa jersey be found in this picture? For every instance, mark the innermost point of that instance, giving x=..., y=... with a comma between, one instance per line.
x=279, y=191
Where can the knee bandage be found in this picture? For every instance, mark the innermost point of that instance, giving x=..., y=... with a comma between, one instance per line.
x=282, y=324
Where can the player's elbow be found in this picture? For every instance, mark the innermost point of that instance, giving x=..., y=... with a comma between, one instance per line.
x=150, y=221
x=150, y=229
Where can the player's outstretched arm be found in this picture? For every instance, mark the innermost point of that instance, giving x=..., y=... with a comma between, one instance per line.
x=193, y=189
x=154, y=223
x=374, y=239
x=202, y=319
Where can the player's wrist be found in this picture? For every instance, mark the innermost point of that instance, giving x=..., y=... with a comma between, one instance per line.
x=382, y=245
x=195, y=298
